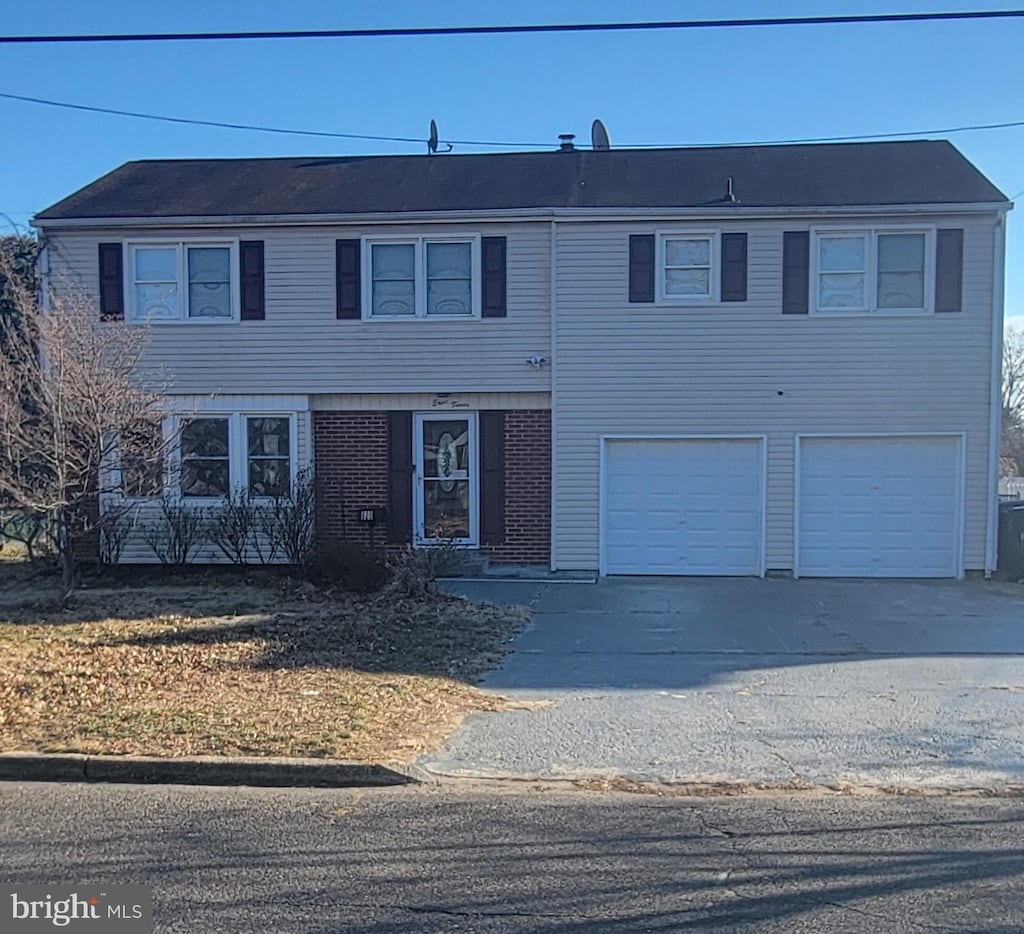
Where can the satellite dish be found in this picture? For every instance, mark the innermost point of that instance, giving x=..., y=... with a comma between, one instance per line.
x=599, y=136
x=432, y=141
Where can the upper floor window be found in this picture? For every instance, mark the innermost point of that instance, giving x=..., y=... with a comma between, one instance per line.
x=183, y=281
x=688, y=267
x=422, y=277
x=872, y=270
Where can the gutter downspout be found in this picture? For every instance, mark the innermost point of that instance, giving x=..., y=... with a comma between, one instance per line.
x=553, y=357
x=996, y=403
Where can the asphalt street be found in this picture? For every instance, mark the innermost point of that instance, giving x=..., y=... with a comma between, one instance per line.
x=524, y=858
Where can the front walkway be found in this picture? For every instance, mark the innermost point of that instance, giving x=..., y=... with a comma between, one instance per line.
x=705, y=680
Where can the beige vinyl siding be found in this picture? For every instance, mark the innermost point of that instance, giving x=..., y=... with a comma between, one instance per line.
x=745, y=368
x=144, y=513
x=430, y=402
x=302, y=347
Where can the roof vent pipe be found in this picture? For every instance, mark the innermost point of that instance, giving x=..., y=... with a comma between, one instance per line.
x=565, y=142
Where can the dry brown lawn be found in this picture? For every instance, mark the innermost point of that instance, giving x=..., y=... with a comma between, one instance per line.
x=229, y=664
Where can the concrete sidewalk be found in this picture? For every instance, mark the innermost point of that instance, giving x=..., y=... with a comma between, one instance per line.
x=776, y=681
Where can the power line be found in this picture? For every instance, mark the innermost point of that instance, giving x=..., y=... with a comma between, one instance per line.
x=214, y=123
x=187, y=121
x=522, y=29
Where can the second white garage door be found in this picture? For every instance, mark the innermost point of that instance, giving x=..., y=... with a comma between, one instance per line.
x=879, y=507
x=674, y=506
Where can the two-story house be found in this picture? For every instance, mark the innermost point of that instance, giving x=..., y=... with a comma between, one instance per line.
x=680, y=361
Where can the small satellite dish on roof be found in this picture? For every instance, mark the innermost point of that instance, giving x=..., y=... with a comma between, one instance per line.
x=599, y=136
x=432, y=140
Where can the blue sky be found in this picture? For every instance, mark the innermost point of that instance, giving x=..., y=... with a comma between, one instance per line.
x=731, y=85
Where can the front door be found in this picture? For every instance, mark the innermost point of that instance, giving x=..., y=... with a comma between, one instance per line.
x=445, y=494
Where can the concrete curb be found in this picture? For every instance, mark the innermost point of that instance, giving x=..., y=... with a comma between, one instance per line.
x=206, y=770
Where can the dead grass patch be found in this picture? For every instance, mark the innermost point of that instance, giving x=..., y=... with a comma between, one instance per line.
x=228, y=665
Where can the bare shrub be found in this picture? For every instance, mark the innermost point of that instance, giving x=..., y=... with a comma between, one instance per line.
x=235, y=526
x=413, y=571
x=114, y=533
x=288, y=521
x=178, y=532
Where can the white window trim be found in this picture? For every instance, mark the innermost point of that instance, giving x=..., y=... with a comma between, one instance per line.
x=180, y=244
x=238, y=453
x=474, y=476
x=871, y=272
x=715, y=273
x=420, y=272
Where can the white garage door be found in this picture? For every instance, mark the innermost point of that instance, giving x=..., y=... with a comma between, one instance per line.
x=682, y=507
x=879, y=507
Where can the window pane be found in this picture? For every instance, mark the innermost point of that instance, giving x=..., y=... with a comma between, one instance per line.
x=204, y=477
x=268, y=437
x=901, y=252
x=204, y=457
x=445, y=448
x=687, y=282
x=841, y=290
x=209, y=300
x=156, y=264
x=449, y=260
x=901, y=290
x=449, y=297
x=688, y=252
x=269, y=476
x=209, y=277
x=156, y=301
x=141, y=453
x=394, y=261
x=394, y=298
x=205, y=437
x=209, y=264
x=842, y=254
x=446, y=511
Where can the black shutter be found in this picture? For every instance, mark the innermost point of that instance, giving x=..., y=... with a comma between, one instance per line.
x=949, y=269
x=346, y=267
x=734, y=267
x=492, y=478
x=641, y=268
x=250, y=255
x=494, y=276
x=111, y=268
x=796, y=270
x=399, y=477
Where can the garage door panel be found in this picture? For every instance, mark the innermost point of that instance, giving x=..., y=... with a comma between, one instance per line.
x=682, y=506
x=879, y=507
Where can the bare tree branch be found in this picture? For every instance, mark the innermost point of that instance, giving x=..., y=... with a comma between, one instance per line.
x=74, y=399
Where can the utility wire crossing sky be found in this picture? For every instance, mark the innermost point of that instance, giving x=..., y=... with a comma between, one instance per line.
x=476, y=142
x=526, y=28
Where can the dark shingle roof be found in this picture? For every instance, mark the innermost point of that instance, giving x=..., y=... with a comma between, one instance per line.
x=917, y=172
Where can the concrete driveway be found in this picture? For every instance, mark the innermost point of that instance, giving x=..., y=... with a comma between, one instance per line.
x=904, y=683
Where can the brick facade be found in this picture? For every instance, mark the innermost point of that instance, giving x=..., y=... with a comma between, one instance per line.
x=352, y=462
x=352, y=474
x=527, y=489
